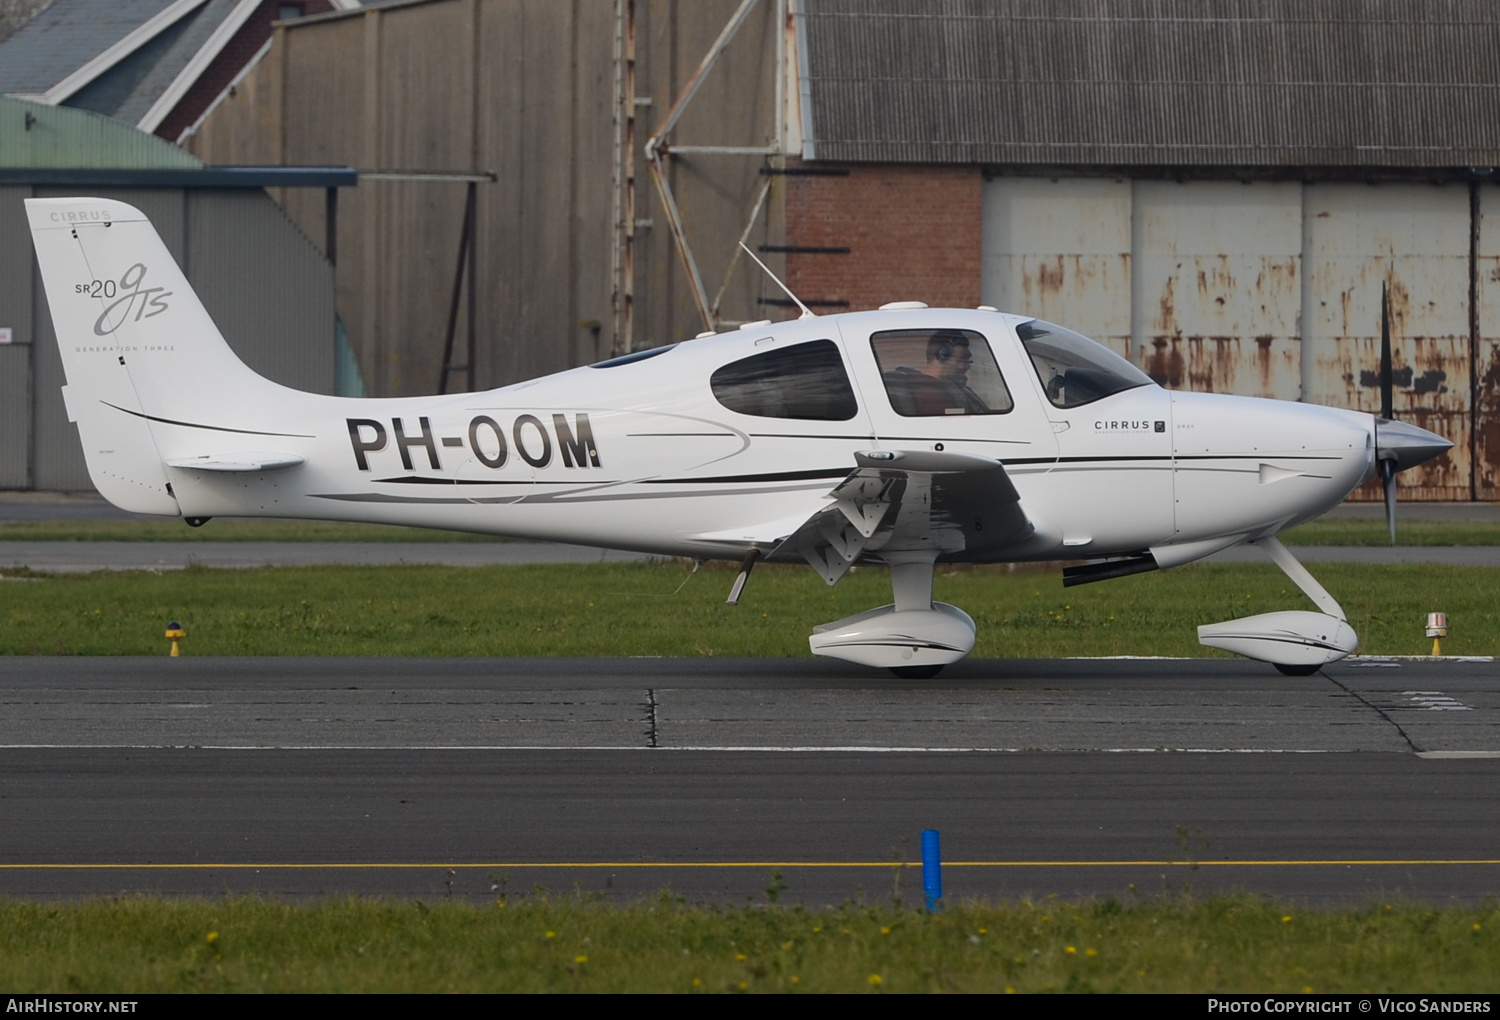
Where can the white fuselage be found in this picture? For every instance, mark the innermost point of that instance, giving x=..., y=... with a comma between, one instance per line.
x=642, y=455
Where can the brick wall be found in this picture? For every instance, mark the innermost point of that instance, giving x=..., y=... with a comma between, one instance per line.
x=231, y=60
x=913, y=234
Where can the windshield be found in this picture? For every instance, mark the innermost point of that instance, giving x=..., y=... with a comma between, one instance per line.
x=1074, y=369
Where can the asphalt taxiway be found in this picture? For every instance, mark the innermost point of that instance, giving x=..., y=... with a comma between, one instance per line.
x=1375, y=779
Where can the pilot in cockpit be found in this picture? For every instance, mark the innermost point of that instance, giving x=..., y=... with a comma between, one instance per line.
x=942, y=386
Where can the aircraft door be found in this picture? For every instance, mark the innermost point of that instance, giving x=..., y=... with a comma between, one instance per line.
x=932, y=386
x=1112, y=489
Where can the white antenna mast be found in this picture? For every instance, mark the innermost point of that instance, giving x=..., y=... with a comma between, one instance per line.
x=807, y=313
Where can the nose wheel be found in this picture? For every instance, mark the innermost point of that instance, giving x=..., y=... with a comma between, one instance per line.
x=1302, y=669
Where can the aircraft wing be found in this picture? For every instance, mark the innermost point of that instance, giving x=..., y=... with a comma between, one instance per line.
x=899, y=500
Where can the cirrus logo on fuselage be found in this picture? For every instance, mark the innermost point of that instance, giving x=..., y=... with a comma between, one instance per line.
x=486, y=439
x=1129, y=425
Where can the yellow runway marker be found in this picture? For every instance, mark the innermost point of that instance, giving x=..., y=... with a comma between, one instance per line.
x=555, y=866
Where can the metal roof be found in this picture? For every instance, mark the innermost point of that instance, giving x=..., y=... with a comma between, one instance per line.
x=1375, y=83
x=174, y=177
x=55, y=146
x=134, y=60
x=33, y=135
x=130, y=88
x=64, y=37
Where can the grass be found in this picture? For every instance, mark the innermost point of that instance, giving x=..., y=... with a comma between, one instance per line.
x=663, y=609
x=1355, y=531
x=1324, y=531
x=1232, y=944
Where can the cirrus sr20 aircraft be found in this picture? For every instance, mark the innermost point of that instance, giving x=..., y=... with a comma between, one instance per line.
x=908, y=436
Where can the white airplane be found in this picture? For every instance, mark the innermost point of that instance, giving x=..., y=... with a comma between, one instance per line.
x=908, y=436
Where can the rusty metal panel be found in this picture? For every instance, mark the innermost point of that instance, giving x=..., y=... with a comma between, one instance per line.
x=1059, y=249
x=1216, y=289
x=1414, y=238
x=1486, y=394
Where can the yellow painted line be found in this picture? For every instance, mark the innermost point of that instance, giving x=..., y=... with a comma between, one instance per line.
x=371, y=866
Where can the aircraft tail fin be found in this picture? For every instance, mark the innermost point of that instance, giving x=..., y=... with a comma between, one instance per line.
x=140, y=352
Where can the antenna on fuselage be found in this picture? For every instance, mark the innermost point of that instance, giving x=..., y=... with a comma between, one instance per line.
x=807, y=313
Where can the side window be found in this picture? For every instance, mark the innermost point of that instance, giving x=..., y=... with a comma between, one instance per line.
x=806, y=381
x=930, y=372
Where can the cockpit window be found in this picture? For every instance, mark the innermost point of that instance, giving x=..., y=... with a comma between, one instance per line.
x=929, y=372
x=805, y=381
x=1074, y=369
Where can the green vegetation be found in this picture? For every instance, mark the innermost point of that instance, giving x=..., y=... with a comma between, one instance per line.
x=228, y=530
x=1236, y=944
x=664, y=609
x=1325, y=531
x=1354, y=531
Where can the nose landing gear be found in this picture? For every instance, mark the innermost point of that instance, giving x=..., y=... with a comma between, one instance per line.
x=1296, y=643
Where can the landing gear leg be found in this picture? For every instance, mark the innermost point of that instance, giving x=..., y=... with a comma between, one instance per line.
x=911, y=584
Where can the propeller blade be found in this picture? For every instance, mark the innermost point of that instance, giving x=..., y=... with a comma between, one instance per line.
x=1385, y=353
x=1400, y=445
x=1388, y=475
x=1389, y=461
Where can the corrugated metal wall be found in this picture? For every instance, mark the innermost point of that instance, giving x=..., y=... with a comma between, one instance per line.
x=523, y=88
x=18, y=313
x=1272, y=289
x=1061, y=251
x=268, y=289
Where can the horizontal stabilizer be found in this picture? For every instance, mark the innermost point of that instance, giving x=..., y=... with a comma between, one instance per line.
x=240, y=462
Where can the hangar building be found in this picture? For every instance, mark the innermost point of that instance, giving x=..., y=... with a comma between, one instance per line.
x=267, y=287
x=157, y=64
x=1218, y=191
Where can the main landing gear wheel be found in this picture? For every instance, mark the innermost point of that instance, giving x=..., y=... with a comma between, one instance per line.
x=913, y=638
x=916, y=672
x=1298, y=670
